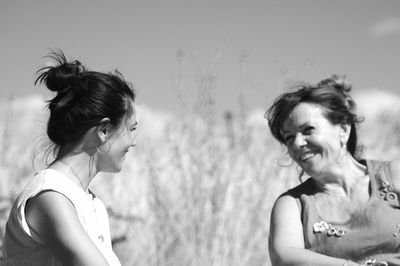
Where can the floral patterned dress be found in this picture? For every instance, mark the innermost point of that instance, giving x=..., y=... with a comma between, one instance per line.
x=371, y=231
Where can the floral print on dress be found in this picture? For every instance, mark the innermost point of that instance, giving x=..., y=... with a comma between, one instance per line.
x=387, y=192
x=331, y=230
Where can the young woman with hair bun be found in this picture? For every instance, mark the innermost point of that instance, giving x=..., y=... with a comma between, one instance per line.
x=57, y=220
x=347, y=212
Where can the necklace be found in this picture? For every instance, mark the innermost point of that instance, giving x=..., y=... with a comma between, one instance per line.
x=74, y=174
x=96, y=230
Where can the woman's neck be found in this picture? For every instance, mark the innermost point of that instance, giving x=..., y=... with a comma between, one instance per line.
x=345, y=191
x=343, y=177
x=78, y=167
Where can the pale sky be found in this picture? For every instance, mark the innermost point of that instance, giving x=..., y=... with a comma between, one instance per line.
x=298, y=39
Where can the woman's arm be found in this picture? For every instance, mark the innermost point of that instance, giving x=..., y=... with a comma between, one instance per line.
x=286, y=241
x=54, y=219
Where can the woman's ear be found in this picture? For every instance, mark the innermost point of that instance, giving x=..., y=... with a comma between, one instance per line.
x=104, y=129
x=344, y=133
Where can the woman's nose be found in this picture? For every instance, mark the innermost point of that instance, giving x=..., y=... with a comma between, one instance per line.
x=299, y=141
x=133, y=142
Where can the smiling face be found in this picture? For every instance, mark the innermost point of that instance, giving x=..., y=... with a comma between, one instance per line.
x=312, y=140
x=118, y=144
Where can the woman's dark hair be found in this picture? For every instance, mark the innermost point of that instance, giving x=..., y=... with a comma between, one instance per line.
x=83, y=98
x=332, y=94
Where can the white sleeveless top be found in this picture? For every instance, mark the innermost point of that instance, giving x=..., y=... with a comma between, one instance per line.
x=21, y=247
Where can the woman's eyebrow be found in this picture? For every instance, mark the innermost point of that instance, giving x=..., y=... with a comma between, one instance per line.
x=301, y=127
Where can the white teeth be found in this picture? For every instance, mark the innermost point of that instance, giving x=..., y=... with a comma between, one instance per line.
x=307, y=156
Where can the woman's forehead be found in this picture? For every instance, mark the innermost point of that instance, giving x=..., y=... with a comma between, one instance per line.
x=131, y=115
x=132, y=118
x=304, y=113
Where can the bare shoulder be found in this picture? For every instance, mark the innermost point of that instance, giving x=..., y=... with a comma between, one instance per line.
x=290, y=200
x=286, y=206
x=54, y=219
x=286, y=228
x=51, y=214
x=285, y=201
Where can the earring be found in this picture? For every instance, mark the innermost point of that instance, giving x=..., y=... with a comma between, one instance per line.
x=287, y=163
x=100, y=148
x=342, y=153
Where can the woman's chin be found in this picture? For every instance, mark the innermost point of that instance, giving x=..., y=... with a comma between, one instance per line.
x=112, y=169
x=310, y=170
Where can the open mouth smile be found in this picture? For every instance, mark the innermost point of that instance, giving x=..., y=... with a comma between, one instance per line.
x=307, y=156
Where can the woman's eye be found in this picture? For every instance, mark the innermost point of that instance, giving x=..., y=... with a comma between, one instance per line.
x=308, y=130
x=288, y=138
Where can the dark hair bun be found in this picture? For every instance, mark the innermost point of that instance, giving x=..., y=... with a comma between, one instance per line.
x=62, y=76
x=83, y=99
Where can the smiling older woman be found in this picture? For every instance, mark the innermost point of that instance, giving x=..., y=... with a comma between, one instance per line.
x=347, y=212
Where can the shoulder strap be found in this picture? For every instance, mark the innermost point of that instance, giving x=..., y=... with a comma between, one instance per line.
x=305, y=188
x=381, y=179
x=379, y=171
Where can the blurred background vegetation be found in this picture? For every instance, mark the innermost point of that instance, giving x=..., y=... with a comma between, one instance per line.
x=199, y=187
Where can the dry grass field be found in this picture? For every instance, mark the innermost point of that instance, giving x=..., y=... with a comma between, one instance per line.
x=198, y=188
